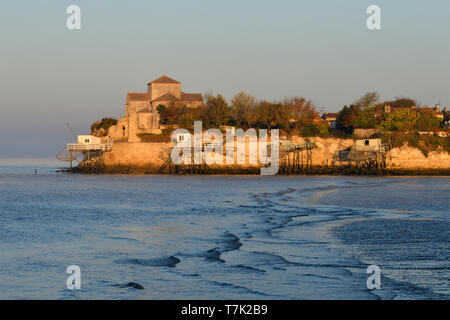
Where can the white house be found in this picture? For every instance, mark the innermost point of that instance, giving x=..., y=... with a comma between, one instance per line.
x=88, y=139
x=367, y=145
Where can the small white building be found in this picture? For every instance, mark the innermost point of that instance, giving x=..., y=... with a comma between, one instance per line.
x=89, y=143
x=88, y=139
x=367, y=145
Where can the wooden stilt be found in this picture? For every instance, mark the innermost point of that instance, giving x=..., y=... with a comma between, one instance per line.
x=70, y=157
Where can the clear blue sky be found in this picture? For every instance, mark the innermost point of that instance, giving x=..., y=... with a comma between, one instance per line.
x=318, y=49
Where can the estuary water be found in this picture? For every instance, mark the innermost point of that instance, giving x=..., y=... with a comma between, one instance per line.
x=222, y=237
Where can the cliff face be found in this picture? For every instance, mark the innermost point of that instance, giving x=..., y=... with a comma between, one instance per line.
x=325, y=148
x=398, y=158
x=411, y=158
x=149, y=157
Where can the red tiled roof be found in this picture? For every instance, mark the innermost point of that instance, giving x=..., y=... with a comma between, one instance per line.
x=329, y=115
x=164, y=79
x=417, y=109
x=138, y=96
x=191, y=97
x=166, y=97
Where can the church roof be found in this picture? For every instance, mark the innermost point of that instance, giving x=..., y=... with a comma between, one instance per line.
x=164, y=79
x=138, y=96
x=191, y=97
x=166, y=97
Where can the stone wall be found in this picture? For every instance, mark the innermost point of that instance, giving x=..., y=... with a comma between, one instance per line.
x=365, y=133
x=137, y=154
x=118, y=132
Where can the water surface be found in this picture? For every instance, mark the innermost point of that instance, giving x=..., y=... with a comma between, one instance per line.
x=222, y=237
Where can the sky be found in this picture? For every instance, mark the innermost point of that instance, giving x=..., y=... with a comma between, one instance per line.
x=318, y=49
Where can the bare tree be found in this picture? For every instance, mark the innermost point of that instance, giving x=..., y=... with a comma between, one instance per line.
x=301, y=109
x=368, y=100
x=217, y=110
x=267, y=113
x=243, y=107
x=296, y=112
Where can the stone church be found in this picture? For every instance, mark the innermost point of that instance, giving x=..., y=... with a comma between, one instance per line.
x=141, y=115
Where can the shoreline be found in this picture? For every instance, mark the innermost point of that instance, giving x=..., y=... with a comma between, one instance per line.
x=251, y=171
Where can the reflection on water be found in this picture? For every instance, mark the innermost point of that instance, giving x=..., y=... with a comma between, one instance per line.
x=219, y=237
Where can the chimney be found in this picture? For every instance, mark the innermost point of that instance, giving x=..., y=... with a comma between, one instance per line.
x=436, y=107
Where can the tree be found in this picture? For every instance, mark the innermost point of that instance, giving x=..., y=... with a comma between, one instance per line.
x=401, y=102
x=365, y=119
x=345, y=121
x=266, y=113
x=427, y=121
x=400, y=120
x=366, y=101
x=167, y=115
x=105, y=124
x=297, y=113
x=302, y=110
x=320, y=128
x=243, y=108
x=285, y=116
x=189, y=115
x=218, y=113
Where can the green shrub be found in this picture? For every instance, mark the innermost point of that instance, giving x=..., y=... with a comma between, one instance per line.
x=425, y=142
x=408, y=120
x=151, y=137
x=106, y=123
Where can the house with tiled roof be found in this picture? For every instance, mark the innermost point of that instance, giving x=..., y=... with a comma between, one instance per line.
x=330, y=117
x=141, y=114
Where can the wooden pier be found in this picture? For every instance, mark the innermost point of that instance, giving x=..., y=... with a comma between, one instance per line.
x=363, y=163
x=296, y=158
x=182, y=168
x=89, y=157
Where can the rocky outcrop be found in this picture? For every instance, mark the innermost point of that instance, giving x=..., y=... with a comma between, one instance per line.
x=407, y=157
